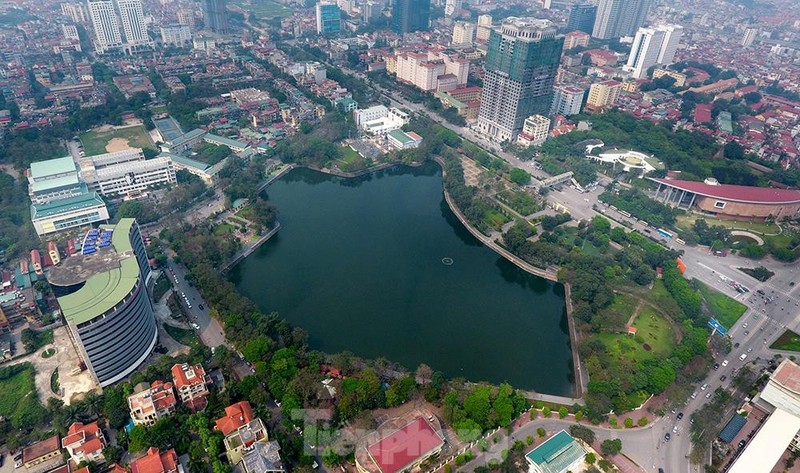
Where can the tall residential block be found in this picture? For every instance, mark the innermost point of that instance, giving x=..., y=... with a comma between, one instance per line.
x=215, y=16
x=463, y=33
x=134, y=27
x=651, y=46
x=411, y=15
x=106, y=26
x=329, y=18
x=451, y=7
x=616, y=18
x=534, y=131
x=603, y=95
x=484, y=28
x=581, y=17
x=371, y=11
x=520, y=70
x=75, y=11
x=103, y=295
x=567, y=100
x=749, y=36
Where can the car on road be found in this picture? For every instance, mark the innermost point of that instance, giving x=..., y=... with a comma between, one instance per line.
x=680, y=414
x=746, y=333
x=749, y=349
x=694, y=394
x=725, y=363
x=744, y=325
x=667, y=436
x=742, y=442
x=744, y=355
x=195, y=326
x=723, y=378
x=716, y=366
x=704, y=387
x=708, y=395
x=675, y=430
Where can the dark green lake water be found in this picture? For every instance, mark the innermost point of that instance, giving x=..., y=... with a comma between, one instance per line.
x=358, y=264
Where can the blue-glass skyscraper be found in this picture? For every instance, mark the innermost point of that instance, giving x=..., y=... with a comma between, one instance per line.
x=411, y=15
x=329, y=18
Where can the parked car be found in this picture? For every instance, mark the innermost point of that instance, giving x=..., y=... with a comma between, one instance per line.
x=704, y=387
x=725, y=363
x=667, y=436
x=680, y=414
x=723, y=378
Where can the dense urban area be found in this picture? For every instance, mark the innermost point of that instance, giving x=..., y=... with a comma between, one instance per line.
x=639, y=158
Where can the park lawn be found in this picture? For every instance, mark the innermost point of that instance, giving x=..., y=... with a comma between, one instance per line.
x=223, y=228
x=654, y=338
x=264, y=9
x=351, y=161
x=661, y=298
x=788, y=341
x=686, y=221
x=726, y=310
x=521, y=202
x=19, y=401
x=182, y=335
x=94, y=142
x=495, y=218
x=618, y=313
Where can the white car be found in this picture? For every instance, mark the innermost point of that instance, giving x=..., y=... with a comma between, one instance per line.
x=704, y=387
x=725, y=363
x=195, y=326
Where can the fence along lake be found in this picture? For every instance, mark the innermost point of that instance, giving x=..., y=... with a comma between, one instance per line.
x=380, y=266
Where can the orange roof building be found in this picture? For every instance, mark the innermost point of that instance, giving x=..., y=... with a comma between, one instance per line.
x=236, y=416
x=191, y=383
x=149, y=403
x=156, y=462
x=85, y=443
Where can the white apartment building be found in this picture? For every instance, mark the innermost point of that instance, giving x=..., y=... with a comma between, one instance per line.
x=176, y=35
x=125, y=172
x=463, y=33
x=70, y=32
x=749, y=37
x=424, y=69
x=451, y=7
x=379, y=120
x=567, y=100
x=484, y=28
x=75, y=11
x=534, y=131
x=651, y=46
x=106, y=26
x=133, y=25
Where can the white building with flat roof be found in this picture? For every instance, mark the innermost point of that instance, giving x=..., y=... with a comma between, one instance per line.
x=379, y=120
x=126, y=172
x=780, y=431
x=534, y=131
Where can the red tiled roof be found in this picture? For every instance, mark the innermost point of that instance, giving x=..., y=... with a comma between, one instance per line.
x=404, y=447
x=748, y=194
x=236, y=415
x=155, y=462
x=90, y=446
x=180, y=374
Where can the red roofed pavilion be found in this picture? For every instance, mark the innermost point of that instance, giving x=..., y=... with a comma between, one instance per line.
x=406, y=447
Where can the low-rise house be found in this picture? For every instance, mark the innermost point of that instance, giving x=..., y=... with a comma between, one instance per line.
x=43, y=456
x=246, y=441
x=85, y=443
x=157, y=462
x=191, y=383
x=149, y=403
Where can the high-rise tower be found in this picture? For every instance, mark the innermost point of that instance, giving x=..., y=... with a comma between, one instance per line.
x=411, y=15
x=133, y=25
x=581, y=17
x=106, y=25
x=329, y=18
x=653, y=45
x=616, y=18
x=521, y=65
x=215, y=16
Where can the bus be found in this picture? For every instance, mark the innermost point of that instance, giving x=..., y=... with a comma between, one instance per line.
x=624, y=213
x=664, y=233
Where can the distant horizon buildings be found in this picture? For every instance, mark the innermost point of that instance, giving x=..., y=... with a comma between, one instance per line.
x=651, y=46
x=215, y=16
x=581, y=17
x=520, y=70
x=329, y=17
x=617, y=18
x=409, y=16
x=451, y=7
x=749, y=37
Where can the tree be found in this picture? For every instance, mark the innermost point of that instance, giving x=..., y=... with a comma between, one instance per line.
x=562, y=412
x=611, y=446
x=546, y=411
x=138, y=439
x=582, y=432
x=628, y=423
x=541, y=432
x=519, y=176
x=733, y=150
x=590, y=458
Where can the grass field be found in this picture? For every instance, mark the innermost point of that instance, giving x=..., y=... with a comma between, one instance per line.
x=19, y=402
x=351, y=161
x=617, y=314
x=789, y=341
x=264, y=9
x=182, y=336
x=94, y=142
x=653, y=338
x=726, y=310
x=759, y=228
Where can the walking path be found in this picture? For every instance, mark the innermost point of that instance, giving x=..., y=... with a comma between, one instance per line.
x=249, y=249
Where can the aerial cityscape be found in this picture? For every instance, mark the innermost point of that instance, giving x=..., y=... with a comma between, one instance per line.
x=395, y=236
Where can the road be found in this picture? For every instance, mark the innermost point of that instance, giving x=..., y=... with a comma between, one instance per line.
x=210, y=331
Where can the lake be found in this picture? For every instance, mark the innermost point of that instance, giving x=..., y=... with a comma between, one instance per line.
x=379, y=265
